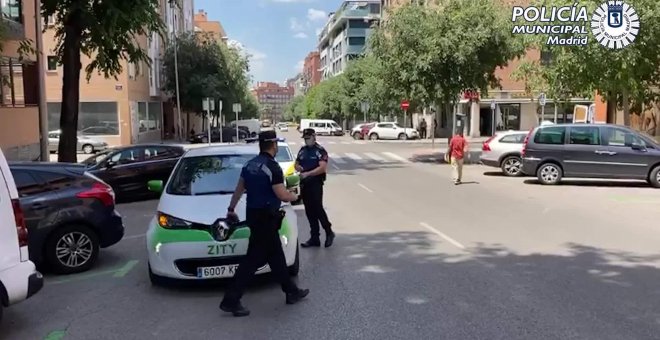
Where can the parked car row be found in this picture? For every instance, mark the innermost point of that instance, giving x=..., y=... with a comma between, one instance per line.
x=228, y=135
x=554, y=152
x=86, y=144
x=383, y=130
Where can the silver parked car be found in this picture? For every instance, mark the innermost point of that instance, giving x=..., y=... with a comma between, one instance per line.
x=504, y=151
x=86, y=144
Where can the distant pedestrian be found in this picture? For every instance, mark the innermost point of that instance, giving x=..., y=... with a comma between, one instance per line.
x=422, y=129
x=458, y=146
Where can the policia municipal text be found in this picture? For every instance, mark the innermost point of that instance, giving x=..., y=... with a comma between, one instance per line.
x=263, y=180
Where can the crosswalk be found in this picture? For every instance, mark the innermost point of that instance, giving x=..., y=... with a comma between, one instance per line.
x=366, y=158
x=354, y=142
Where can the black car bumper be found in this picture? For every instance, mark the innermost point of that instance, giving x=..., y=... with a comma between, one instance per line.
x=529, y=166
x=35, y=283
x=111, y=231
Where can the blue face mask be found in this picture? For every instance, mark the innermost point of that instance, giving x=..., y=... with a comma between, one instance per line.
x=310, y=141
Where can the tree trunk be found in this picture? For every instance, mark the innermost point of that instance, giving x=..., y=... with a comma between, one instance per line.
x=611, y=107
x=68, y=147
x=626, y=108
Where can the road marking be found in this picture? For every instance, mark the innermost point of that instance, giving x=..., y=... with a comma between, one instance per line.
x=365, y=188
x=55, y=335
x=441, y=234
x=334, y=166
x=291, y=143
x=121, y=272
x=330, y=143
x=374, y=157
x=134, y=236
x=397, y=157
x=354, y=157
x=336, y=159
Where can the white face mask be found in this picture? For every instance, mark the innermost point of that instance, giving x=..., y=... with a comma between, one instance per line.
x=310, y=141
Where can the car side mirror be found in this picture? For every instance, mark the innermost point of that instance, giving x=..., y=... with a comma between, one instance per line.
x=638, y=147
x=155, y=186
x=292, y=181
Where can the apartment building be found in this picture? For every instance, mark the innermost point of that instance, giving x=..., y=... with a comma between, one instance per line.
x=213, y=29
x=272, y=98
x=127, y=110
x=311, y=74
x=345, y=34
x=19, y=111
x=514, y=108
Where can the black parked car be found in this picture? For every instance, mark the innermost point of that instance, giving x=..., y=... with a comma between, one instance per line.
x=228, y=135
x=552, y=152
x=128, y=169
x=69, y=213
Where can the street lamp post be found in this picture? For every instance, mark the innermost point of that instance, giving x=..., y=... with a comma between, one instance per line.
x=365, y=108
x=176, y=72
x=493, y=106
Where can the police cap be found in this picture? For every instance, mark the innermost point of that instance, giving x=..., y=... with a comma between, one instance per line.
x=268, y=136
x=309, y=133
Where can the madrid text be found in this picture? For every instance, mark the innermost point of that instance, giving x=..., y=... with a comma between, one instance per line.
x=563, y=25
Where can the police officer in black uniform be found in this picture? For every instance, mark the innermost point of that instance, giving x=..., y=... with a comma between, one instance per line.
x=263, y=180
x=312, y=162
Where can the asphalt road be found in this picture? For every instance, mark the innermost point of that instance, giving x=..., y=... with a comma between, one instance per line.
x=416, y=257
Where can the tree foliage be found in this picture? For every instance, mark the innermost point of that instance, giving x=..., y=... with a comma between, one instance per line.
x=208, y=69
x=107, y=32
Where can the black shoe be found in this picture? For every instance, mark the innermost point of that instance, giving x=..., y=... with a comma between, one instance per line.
x=237, y=309
x=293, y=298
x=329, y=239
x=311, y=243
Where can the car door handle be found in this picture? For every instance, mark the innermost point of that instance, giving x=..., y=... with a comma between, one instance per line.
x=609, y=153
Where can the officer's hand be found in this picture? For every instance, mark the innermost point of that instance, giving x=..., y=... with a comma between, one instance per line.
x=303, y=175
x=232, y=217
x=299, y=168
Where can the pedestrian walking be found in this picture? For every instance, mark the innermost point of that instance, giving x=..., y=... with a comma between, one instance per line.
x=457, y=148
x=311, y=162
x=422, y=128
x=263, y=180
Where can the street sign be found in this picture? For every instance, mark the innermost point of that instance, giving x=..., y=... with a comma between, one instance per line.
x=493, y=106
x=542, y=99
x=205, y=104
x=236, y=107
x=405, y=105
x=364, y=106
x=212, y=104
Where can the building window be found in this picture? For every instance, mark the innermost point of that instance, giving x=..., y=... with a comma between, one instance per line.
x=359, y=41
x=546, y=57
x=94, y=118
x=51, y=61
x=19, y=83
x=149, y=115
x=11, y=10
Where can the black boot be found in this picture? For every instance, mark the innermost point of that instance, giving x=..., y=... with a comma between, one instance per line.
x=236, y=309
x=293, y=298
x=329, y=239
x=312, y=242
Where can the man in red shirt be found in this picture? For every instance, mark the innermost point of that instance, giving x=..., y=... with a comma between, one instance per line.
x=457, y=148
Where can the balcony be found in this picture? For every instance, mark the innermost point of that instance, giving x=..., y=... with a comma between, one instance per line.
x=357, y=32
x=354, y=49
x=12, y=18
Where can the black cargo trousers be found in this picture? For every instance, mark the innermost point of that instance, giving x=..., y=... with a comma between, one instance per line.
x=264, y=247
x=311, y=190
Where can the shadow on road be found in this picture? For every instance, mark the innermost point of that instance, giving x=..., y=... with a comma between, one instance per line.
x=596, y=183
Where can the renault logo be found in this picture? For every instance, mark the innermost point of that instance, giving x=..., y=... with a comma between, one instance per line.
x=222, y=231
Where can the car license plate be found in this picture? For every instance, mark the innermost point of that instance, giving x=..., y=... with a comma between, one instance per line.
x=217, y=271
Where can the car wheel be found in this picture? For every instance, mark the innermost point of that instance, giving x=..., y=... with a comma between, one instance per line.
x=356, y=135
x=295, y=267
x=156, y=280
x=654, y=177
x=373, y=136
x=253, y=134
x=402, y=136
x=88, y=149
x=72, y=249
x=549, y=174
x=512, y=166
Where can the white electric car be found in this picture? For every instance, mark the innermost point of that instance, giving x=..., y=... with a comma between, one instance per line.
x=188, y=238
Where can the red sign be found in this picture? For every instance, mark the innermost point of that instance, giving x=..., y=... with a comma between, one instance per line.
x=471, y=95
x=405, y=105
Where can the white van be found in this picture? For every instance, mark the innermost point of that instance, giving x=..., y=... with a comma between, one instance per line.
x=322, y=126
x=19, y=278
x=254, y=125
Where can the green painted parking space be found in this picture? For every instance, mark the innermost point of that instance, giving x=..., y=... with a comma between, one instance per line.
x=116, y=272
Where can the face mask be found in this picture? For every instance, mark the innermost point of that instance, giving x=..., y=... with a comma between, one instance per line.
x=310, y=141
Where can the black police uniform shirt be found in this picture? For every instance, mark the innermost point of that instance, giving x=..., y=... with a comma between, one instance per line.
x=309, y=158
x=259, y=175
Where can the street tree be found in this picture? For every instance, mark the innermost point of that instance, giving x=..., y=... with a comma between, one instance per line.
x=108, y=32
x=627, y=78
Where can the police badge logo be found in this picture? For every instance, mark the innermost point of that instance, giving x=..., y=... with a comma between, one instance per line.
x=615, y=24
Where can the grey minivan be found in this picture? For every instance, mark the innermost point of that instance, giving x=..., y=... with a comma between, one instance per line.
x=552, y=152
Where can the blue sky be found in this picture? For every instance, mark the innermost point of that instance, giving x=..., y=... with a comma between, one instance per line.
x=277, y=33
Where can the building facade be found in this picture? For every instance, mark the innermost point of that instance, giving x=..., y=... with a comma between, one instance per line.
x=272, y=98
x=212, y=28
x=345, y=35
x=311, y=74
x=127, y=110
x=19, y=108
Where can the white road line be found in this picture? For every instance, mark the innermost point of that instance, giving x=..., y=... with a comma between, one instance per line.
x=374, y=157
x=133, y=237
x=330, y=143
x=334, y=158
x=365, y=188
x=395, y=156
x=334, y=166
x=291, y=143
x=346, y=143
x=441, y=234
x=354, y=157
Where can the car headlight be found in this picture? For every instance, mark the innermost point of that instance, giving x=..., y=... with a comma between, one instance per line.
x=290, y=171
x=170, y=222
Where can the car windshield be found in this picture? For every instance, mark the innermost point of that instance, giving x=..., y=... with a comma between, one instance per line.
x=283, y=154
x=207, y=175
